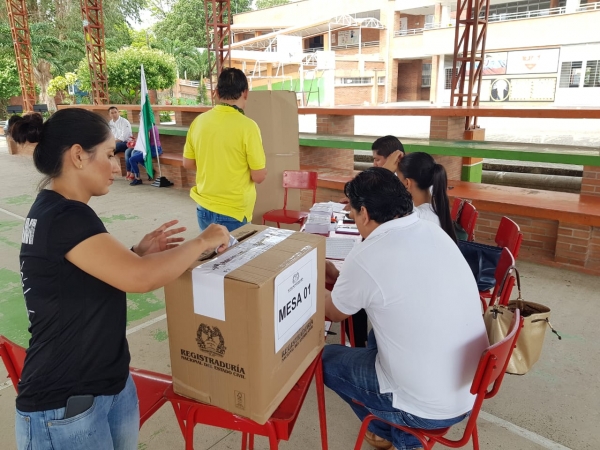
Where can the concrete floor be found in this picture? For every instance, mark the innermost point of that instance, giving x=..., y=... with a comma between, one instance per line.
x=555, y=406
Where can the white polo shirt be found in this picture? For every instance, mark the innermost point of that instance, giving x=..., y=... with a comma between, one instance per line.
x=121, y=129
x=422, y=300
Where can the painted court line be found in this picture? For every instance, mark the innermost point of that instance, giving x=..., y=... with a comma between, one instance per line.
x=515, y=429
x=12, y=214
x=529, y=435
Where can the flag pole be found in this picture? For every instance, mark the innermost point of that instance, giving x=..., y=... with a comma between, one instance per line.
x=157, y=155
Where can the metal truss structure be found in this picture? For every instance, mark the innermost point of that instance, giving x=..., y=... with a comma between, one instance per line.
x=19, y=25
x=93, y=30
x=218, y=33
x=469, y=54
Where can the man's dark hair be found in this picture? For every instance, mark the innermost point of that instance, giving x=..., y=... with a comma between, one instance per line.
x=386, y=145
x=232, y=84
x=112, y=107
x=381, y=193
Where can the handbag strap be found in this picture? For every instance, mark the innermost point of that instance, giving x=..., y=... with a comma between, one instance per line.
x=512, y=268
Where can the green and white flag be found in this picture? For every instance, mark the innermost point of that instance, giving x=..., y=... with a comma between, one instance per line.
x=146, y=123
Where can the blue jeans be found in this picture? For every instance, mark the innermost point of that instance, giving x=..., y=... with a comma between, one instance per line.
x=111, y=423
x=128, y=153
x=350, y=372
x=120, y=147
x=206, y=217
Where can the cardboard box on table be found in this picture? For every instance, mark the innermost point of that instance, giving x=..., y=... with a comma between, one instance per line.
x=244, y=349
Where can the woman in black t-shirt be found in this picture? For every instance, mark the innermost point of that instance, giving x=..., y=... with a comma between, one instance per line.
x=75, y=390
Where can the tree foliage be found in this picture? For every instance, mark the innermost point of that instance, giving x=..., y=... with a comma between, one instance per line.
x=185, y=22
x=9, y=82
x=262, y=4
x=124, y=72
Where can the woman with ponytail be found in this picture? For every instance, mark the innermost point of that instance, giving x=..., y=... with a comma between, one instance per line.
x=75, y=390
x=427, y=183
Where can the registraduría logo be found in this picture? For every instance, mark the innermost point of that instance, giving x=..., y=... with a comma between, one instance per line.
x=210, y=340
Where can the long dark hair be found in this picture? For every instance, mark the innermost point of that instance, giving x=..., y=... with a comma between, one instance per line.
x=422, y=168
x=59, y=133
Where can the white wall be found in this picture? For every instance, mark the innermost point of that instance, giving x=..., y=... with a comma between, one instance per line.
x=581, y=96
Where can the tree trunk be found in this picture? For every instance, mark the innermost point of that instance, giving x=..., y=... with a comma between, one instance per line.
x=43, y=77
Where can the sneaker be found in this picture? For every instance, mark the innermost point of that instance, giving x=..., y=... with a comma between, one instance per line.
x=136, y=182
x=377, y=442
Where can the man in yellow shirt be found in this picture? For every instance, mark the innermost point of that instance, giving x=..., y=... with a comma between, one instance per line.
x=225, y=148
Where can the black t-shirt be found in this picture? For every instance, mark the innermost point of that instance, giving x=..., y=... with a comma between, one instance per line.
x=77, y=322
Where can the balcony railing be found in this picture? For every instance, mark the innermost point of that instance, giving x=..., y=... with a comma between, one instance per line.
x=504, y=18
x=344, y=47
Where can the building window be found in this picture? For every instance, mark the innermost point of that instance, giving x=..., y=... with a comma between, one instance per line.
x=380, y=80
x=570, y=74
x=592, y=74
x=426, y=76
x=429, y=21
x=354, y=80
x=448, y=78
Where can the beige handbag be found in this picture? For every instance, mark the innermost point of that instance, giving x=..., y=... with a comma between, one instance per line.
x=497, y=320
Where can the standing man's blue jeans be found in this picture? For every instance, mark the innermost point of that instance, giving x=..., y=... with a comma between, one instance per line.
x=206, y=217
x=350, y=372
x=112, y=422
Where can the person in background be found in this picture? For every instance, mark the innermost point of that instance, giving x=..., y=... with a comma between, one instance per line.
x=225, y=149
x=427, y=182
x=137, y=157
x=419, y=363
x=75, y=276
x=121, y=129
x=387, y=150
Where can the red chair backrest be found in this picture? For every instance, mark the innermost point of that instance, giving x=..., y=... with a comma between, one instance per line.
x=455, y=208
x=504, y=279
x=298, y=179
x=468, y=219
x=13, y=356
x=509, y=235
x=490, y=371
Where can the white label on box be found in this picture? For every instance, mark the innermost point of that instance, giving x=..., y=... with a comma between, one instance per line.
x=208, y=280
x=295, y=298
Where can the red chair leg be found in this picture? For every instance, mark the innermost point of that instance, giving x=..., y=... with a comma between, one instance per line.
x=320, y=386
x=273, y=441
x=251, y=442
x=484, y=304
x=244, y=441
x=351, y=332
x=343, y=332
x=278, y=225
x=475, y=438
x=363, y=431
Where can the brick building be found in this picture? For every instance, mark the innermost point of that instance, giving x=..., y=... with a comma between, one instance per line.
x=358, y=52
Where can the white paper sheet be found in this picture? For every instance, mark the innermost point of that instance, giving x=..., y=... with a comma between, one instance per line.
x=295, y=297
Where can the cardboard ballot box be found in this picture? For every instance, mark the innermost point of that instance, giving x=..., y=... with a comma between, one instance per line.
x=243, y=327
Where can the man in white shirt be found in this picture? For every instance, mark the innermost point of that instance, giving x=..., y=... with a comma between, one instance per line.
x=121, y=129
x=421, y=298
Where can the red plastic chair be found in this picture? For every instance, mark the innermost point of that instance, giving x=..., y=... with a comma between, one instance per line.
x=343, y=324
x=491, y=368
x=505, y=281
x=150, y=386
x=293, y=179
x=468, y=219
x=509, y=235
x=279, y=427
x=455, y=208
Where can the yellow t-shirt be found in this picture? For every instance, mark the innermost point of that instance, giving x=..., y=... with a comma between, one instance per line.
x=226, y=146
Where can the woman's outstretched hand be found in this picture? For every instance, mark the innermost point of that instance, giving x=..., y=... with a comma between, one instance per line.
x=160, y=239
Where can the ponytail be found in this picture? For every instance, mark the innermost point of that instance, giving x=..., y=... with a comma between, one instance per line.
x=440, y=201
x=422, y=168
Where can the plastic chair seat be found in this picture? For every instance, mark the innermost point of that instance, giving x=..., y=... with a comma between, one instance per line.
x=286, y=216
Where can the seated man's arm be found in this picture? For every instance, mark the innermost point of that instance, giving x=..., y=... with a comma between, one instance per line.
x=189, y=164
x=258, y=176
x=352, y=292
x=331, y=312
